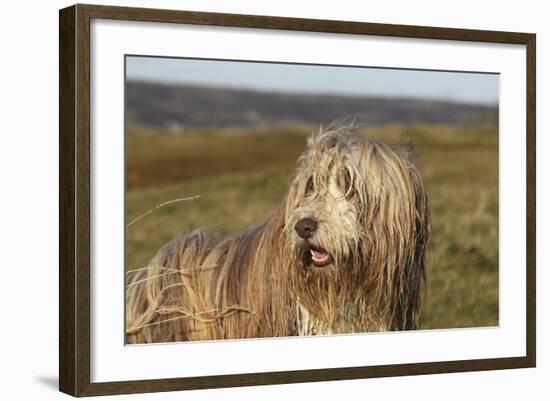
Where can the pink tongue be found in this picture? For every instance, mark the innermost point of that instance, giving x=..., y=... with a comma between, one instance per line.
x=319, y=255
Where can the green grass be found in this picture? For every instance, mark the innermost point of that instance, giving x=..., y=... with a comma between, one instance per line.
x=242, y=175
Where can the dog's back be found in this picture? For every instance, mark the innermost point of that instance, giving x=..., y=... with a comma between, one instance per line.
x=196, y=288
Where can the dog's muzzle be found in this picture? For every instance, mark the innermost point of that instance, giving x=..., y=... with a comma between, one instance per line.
x=306, y=228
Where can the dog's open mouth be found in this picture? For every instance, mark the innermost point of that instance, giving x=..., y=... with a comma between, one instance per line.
x=319, y=257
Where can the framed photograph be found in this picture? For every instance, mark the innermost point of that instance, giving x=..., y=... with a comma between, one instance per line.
x=250, y=200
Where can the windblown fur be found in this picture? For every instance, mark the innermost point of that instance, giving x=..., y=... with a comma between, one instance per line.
x=359, y=266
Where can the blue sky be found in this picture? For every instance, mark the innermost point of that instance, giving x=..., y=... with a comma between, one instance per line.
x=318, y=79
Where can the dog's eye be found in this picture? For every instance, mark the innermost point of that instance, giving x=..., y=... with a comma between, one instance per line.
x=347, y=185
x=309, y=186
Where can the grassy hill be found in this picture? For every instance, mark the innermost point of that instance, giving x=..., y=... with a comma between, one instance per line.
x=242, y=174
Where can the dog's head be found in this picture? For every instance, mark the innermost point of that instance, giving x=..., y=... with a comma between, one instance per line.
x=356, y=224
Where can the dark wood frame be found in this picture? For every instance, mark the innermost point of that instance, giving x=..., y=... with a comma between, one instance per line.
x=74, y=199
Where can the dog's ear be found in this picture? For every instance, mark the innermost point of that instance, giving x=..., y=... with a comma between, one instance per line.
x=396, y=230
x=416, y=271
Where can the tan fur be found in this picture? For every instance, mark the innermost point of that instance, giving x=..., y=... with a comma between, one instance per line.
x=374, y=220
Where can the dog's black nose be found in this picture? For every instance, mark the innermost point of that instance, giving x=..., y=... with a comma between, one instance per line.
x=306, y=227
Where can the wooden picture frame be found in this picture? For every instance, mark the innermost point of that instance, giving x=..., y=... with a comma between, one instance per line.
x=74, y=203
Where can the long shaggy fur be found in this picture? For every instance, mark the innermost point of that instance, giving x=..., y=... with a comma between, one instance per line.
x=373, y=220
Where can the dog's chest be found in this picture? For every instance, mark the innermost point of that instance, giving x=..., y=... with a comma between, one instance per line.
x=308, y=325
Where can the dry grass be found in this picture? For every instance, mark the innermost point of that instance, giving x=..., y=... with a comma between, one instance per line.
x=242, y=175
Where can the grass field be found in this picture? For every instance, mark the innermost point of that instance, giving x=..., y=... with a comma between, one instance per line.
x=242, y=175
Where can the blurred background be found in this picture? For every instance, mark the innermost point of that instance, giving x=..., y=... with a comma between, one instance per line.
x=232, y=131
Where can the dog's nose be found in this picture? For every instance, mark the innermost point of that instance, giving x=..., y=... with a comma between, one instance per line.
x=306, y=227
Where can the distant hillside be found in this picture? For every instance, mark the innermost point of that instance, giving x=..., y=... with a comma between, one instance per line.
x=166, y=106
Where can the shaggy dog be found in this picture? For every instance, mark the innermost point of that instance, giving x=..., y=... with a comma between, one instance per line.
x=345, y=252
